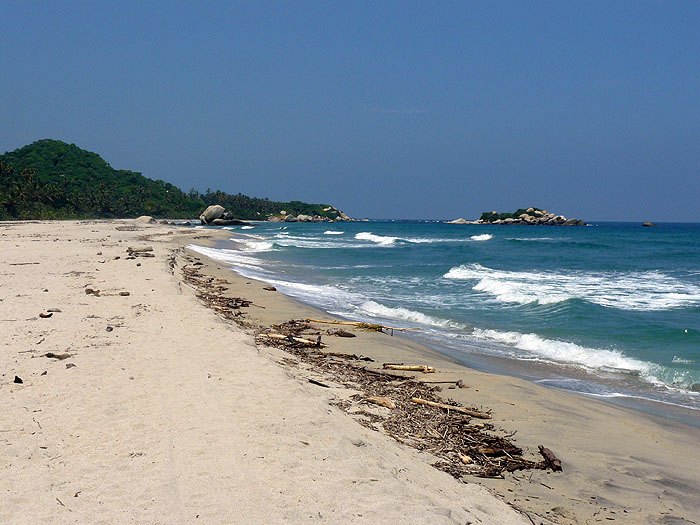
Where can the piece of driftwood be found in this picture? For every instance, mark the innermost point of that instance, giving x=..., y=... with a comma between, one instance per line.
x=343, y=333
x=411, y=368
x=462, y=410
x=269, y=288
x=140, y=252
x=293, y=339
x=381, y=401
x=364, y=326
x=552, y=461
x=464, y=458
x=318, y=383
x=45, y=316
x=60, y=357
x=500, y=451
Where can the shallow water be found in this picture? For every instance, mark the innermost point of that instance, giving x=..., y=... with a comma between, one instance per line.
x=611, y=310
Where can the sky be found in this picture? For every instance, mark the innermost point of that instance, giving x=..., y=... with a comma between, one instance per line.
x=406, y=110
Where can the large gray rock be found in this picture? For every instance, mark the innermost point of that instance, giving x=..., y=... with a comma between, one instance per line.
x=145, y=219
x=570, y=222
x=461, y=220
x=304, y=218
x=290, y=218
x=211, y=213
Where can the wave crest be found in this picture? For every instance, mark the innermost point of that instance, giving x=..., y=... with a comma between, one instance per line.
x=645, y=291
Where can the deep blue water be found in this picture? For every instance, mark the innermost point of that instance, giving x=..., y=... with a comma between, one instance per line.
x=611, y=309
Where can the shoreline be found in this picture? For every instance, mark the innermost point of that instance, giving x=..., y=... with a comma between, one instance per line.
x=170, y=413
x=650, y=392
x=570, y=424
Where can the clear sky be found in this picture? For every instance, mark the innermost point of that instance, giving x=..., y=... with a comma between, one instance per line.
x=383, y=109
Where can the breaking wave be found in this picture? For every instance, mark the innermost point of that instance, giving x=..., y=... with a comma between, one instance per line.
x=645, y=291
x=374, y=309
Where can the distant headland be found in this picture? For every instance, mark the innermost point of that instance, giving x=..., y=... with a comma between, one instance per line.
x=51, y=179
x=530, y=216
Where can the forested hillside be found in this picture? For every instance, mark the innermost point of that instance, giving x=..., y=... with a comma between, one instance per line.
x=51, y=179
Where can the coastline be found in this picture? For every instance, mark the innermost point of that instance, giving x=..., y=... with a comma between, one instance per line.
x=176, y=415
x=633, y=465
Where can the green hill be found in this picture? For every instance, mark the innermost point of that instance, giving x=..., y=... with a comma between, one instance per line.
x=51, y=179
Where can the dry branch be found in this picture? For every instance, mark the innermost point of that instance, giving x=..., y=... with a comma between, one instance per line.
x=412, y=368
x=462, y=410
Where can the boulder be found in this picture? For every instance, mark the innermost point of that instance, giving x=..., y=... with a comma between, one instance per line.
x=290, y=218
x=304, y=218
x=461, y=220
x=570, y=222
x=275, y=218
x=227, y=216
x=211, y=213
x=648, y=224
x=145, y=219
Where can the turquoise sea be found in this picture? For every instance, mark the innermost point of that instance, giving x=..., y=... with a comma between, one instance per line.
x=610, y=310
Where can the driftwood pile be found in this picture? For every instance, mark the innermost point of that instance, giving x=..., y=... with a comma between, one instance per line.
x=462, y=439
x=464, y=443
x=209, y=290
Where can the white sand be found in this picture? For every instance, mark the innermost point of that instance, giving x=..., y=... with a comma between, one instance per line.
x=174, y=416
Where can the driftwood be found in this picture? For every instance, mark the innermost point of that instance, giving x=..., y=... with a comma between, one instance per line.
x=552, y=461
x=462, y=410
x=381, y=401
x=411, y=368
x=60, y=357
x=364, y=326
x=343, y=333
x=448, y=434
x=140, y=252
x=293, y=339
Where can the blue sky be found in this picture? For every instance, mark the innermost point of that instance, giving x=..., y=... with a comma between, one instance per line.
x=384, y=109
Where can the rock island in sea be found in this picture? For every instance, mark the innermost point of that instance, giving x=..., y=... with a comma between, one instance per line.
x=531, y=216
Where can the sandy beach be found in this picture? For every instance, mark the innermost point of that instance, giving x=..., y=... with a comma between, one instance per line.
x=156, y=409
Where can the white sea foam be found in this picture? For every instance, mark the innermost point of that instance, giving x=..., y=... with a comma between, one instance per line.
x=374, y=309
x=236, y=258
x=311, y=242
x=569, y=353
x=258, y=246
x=482, y=237
x=247, y=227
x=382, y=240
x=651, y=290
x=333, y=232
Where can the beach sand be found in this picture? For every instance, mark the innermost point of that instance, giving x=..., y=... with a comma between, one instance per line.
x=163, y=413
x=175, y=415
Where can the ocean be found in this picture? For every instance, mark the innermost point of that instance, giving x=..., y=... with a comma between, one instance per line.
x=609, y=310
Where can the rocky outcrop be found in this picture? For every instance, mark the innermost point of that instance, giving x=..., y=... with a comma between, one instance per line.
x=649, y=224
x=284, y=216
x=211, y=213
x=218, y=216
x=529, y=216
x=145, y=219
